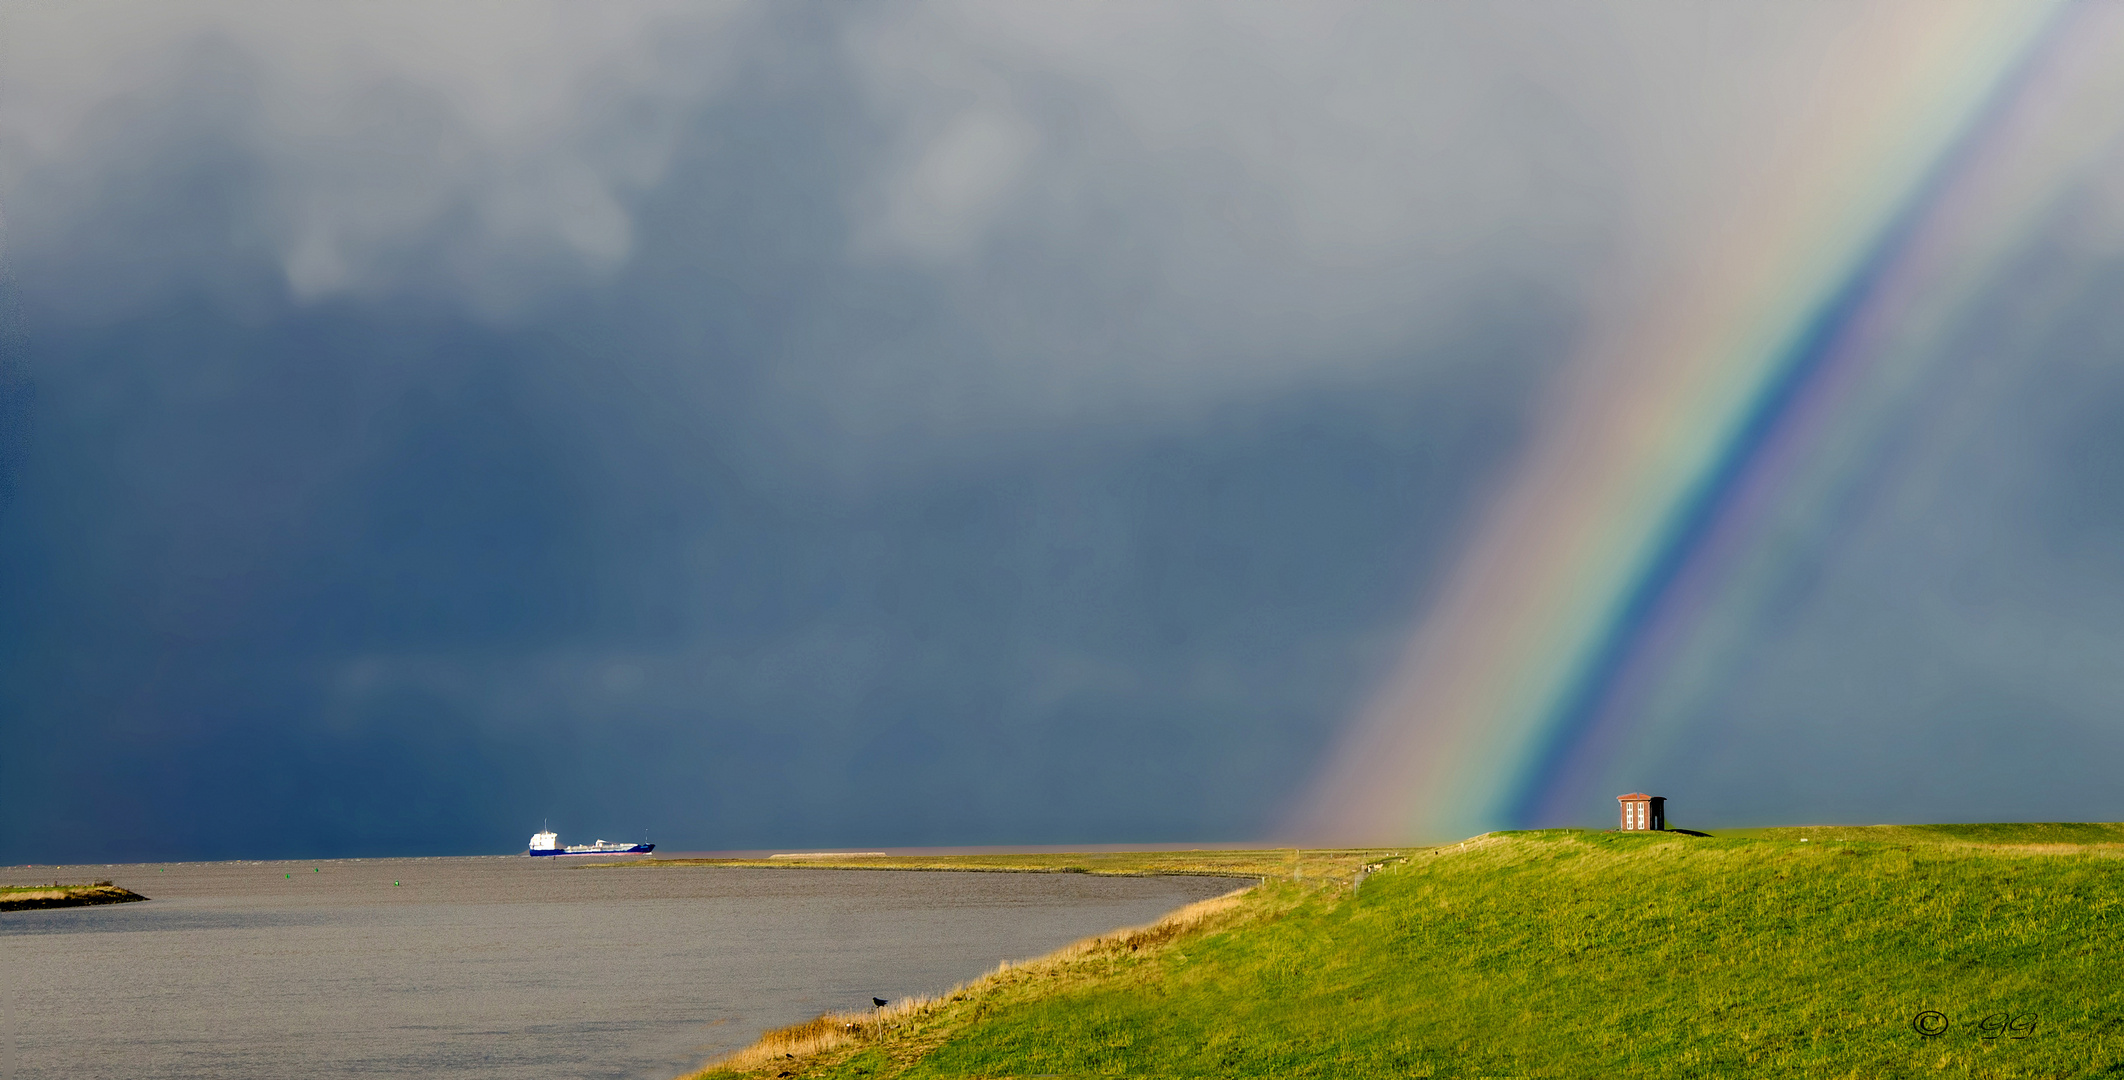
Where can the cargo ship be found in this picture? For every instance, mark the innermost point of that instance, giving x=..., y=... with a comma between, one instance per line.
x=548, y=843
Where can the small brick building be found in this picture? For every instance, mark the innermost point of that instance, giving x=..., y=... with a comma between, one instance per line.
x=1642, y=812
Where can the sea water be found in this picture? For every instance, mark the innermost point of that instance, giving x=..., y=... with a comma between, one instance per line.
x=502, y=967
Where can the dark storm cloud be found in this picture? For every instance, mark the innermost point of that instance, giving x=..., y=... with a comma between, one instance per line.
x=293, y=609
x=785, y=507
x=784, y=425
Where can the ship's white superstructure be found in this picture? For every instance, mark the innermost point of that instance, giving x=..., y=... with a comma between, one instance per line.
x=548, y=843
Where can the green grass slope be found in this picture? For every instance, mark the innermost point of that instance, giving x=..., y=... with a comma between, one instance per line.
x=2077, y=833
x=1575, y=954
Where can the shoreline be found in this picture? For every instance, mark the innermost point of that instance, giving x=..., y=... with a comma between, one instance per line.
x=801, y=1044
x=1261, y=864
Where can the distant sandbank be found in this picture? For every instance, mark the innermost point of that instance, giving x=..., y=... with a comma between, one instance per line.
x=56, y=895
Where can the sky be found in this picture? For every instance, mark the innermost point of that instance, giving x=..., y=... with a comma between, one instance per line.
x=779, y=426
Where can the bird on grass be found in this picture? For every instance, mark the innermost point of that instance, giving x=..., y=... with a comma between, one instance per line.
x=877, y=1001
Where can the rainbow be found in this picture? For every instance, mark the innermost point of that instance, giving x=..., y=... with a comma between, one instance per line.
x=1725, y=399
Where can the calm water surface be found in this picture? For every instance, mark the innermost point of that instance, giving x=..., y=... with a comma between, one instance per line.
x=501, y=967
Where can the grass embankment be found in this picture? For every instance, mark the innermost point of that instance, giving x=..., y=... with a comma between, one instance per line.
x=25, y=897
x=2019, y=834
x=1281, y=862
x=1573, y=954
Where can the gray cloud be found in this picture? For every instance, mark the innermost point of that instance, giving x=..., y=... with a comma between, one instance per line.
x=1115, y=211
x=382, y=136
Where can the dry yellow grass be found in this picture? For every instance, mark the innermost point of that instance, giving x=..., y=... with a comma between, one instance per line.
x=24, y=897
x=828, y=1032
x=786, y=1046
x=36, y=894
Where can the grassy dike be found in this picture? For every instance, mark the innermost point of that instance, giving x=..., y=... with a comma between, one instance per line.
x=1788, y=952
